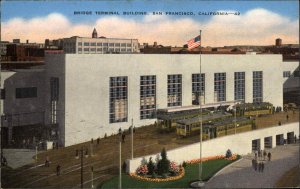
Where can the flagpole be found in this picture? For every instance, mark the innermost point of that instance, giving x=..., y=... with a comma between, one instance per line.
x=200, y=103
x=199, y=183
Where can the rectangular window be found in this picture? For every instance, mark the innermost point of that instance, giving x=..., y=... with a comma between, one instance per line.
x=111, y=44
x=99, y=44
x=2, y=94
x=239, y=86
x=128, y=50
x=93, y=44
x=123, y=44
x=86, y=44
x=118, y=99
x=79, y=43
x=117, y=44
x=128, y=44
x=86, y=49
x=93, y=49
x=174, y=90
x=117, y=50
x=147, y=97
x=198, y=89
x=286, y=74
x=105, y=44
x=28, y=92
x=296, y=73
x=79, y=49
x=99, y=49
x=257, y=86
x=54, y=88
x=220, y=87
x=123, y=50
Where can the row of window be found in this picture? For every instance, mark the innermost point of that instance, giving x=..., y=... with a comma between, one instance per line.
x=104, y=49
x=104, y=44
x=119, y=96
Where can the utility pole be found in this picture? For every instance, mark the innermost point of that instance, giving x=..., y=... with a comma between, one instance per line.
x=120, y=166
x=131, y=139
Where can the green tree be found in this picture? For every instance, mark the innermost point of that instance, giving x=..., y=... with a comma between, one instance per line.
x=163, y=164
x=150, y=166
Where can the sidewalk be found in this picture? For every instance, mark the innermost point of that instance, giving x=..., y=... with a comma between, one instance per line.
x=242, y=175
x=19, y=157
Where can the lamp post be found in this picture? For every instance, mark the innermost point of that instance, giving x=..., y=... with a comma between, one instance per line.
x=120, y=156
x=131, y=139
x=92, y=170
x=36, y=151
x=81, y=163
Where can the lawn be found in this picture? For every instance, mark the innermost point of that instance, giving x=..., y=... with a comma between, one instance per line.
x=191, y=174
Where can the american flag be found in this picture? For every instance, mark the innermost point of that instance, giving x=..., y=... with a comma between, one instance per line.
x=195, y=42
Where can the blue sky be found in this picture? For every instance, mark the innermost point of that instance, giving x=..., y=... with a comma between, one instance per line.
x=259, y=22
x=29, y=9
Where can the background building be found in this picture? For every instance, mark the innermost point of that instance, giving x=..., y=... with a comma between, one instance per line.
x=101, y=45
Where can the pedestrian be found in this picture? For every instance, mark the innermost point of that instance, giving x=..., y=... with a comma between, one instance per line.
x=265, y=154
x=123, y=137
x=262, y=166
x=58, y=170
x=255, y=155
x=133, y=129
x=47, y=163
x=287, y=117
x=98, y=140
x=295, y=138
x=53, y=145
x=255, y=165
x=269, y=156
x=92, y=141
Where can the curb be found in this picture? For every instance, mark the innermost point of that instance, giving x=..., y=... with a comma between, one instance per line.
x=217, y=173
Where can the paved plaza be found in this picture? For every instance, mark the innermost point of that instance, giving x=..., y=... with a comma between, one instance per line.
x=19, y=157
x=242, y=175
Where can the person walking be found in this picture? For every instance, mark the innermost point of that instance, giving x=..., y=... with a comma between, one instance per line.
x=265, y=154
x=255, y=165
x=269, y=156
x=255, y=155
x=287, y=117
x=58, y=170
x=123, y=137
x=98, y=140
x=47, y=162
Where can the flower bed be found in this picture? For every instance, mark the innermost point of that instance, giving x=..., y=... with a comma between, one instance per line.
x=181, y=174
x=232, y=158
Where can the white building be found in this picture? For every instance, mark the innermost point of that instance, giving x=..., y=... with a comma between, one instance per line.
x=86, y=96
x=113, y=89
x=101, y=45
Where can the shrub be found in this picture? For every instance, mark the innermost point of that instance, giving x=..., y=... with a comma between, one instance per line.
x=142, y=170
x=228, y=153
x=150, y=166
x=163, y=164
x=184, y=164
x=174, y=168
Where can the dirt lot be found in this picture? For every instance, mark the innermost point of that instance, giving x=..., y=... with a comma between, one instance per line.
x=147, y=140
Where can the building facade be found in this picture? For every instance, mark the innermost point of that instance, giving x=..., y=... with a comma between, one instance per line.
x=91, y=101
x=74, y=102
x=102, y=45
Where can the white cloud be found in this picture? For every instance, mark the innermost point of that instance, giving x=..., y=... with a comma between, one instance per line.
x=255, y=27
